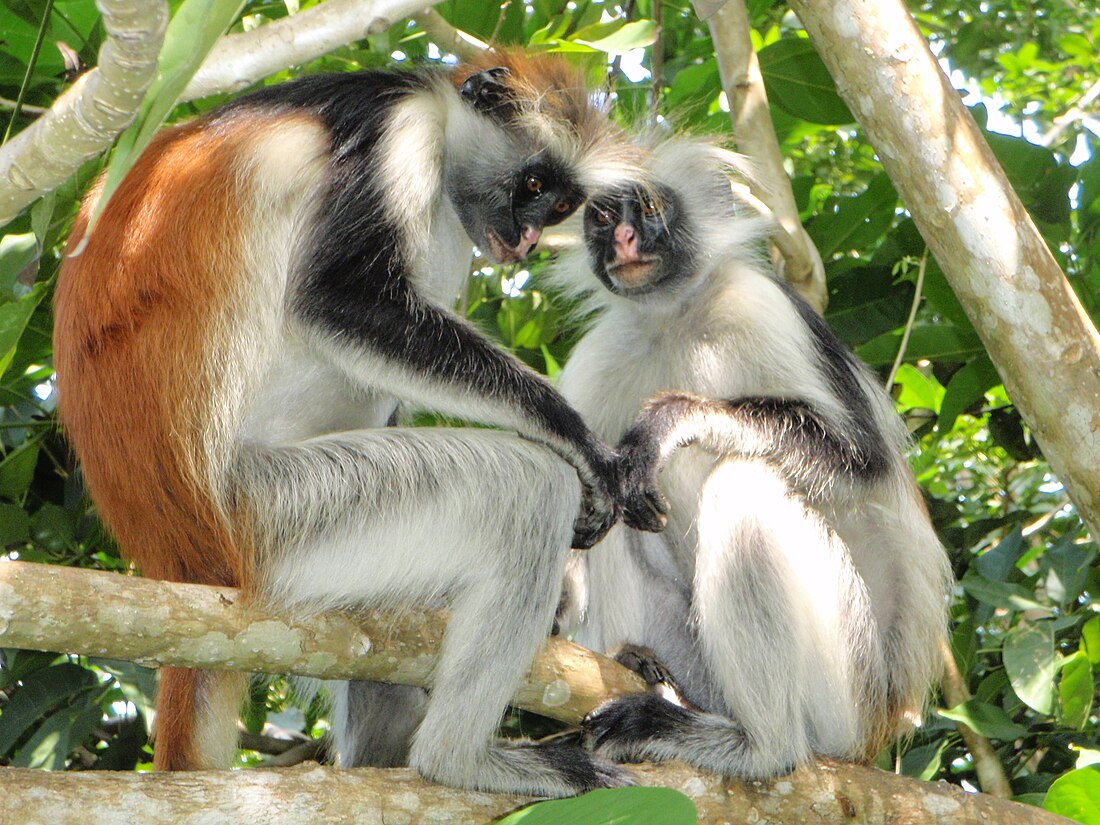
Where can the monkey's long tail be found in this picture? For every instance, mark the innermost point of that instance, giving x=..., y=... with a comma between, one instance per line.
x=196, y=725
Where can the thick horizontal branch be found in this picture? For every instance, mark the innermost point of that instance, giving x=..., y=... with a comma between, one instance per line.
x=825, y=794
x=43, y=607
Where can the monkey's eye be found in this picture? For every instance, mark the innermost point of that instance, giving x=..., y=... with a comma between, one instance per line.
x=563, y=206
x=603, y=217
x=649, y=207
x=534, y=184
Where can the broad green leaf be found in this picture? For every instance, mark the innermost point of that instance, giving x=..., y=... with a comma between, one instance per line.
x=15, y=525
x=966, y=387
x=1075, y=690
x=856, y=219
x=14, y=316
x=936, y=342
x=985, y=719
x=57, y=737
x=17, y=252
x=191, y=34
x=618, y=806
x=864, y=302
x=616, y=38
x=41, y=691
x=1031, y=663
x=918, y=391
x=797, y=81
x=17, y=470
x=996, y=563
x=1001, y=594
x=1090, y=639
x=1069, y=562
x=1076, y=795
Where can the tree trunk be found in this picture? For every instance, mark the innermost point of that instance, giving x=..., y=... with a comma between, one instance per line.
x=1042, y=341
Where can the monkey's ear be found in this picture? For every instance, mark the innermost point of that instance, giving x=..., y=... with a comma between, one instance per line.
x=486, y=93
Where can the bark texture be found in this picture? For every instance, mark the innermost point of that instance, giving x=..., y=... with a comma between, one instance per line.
x=1043, y=344
x=825, y=794
x=43, y=607
x=86, y=119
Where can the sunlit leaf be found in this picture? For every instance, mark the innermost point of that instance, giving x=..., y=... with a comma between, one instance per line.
x=1076, y=796
x=1075, y=690
x=1031, y=663
x=619, y=806
x=985, y=719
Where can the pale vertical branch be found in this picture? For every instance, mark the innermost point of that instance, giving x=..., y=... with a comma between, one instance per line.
x=1040, y=338
x=991, y=773
x=86, y=119
x=755, y=137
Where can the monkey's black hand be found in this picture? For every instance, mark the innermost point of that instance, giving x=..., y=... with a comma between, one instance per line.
x=599, y=508
x=644, y=505
x=486, y=92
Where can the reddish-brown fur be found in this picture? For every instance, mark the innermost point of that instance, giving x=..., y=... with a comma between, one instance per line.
x=139, y=308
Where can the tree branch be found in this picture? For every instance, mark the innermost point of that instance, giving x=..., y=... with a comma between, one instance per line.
x=1021, y=304
x=755, y=136
x=93, y=111
x=239, y=60
x=160, y=623
x=449, y=39
x=825, y=794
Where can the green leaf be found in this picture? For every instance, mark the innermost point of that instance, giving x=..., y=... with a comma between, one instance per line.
x=1075, y=690
x=1000, y=594
x=1069, y=562
x=41, y=691
x=616, y=38
x=17, y=470
x=918, y=391
x=618, y=806
x=191, y=34
x=936, y=342
x=57, y=737
x=15, y=525
x=966, y=388
x=1030, y=662
x=985, y=719
x=14, y=316
x=996, y=563
x=1090, y=639
x=17, y=252
x=797, y=81
x=864, y=302
x=1076, y=795
x=857, y=219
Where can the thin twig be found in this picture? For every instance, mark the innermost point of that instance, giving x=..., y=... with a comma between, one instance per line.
x=30, y=68
x=909, y=322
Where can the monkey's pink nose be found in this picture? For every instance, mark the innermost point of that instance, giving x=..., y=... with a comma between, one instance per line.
x=626, y=243
x=528, y=237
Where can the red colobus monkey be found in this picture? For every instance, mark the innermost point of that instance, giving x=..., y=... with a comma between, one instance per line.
x=265, y=287
x=798, y=591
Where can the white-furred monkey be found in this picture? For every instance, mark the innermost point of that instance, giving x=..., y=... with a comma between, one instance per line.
x=266, y=285
x=797, y=593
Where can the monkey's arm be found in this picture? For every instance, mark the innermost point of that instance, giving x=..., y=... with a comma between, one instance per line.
x=420, y=353
x=811, y=450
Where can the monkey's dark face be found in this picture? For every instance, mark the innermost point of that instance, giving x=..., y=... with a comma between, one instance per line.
x=505, y=216
x=636, y=240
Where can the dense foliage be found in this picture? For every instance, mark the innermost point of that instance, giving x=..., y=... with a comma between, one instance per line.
x=1026, y=613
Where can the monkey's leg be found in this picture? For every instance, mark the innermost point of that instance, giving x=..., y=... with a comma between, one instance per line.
x=481, y=520
x=782, y=618
x=374, y=722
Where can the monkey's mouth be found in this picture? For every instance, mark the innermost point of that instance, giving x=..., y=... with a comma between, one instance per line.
x=629, y=275
x=499, y=251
